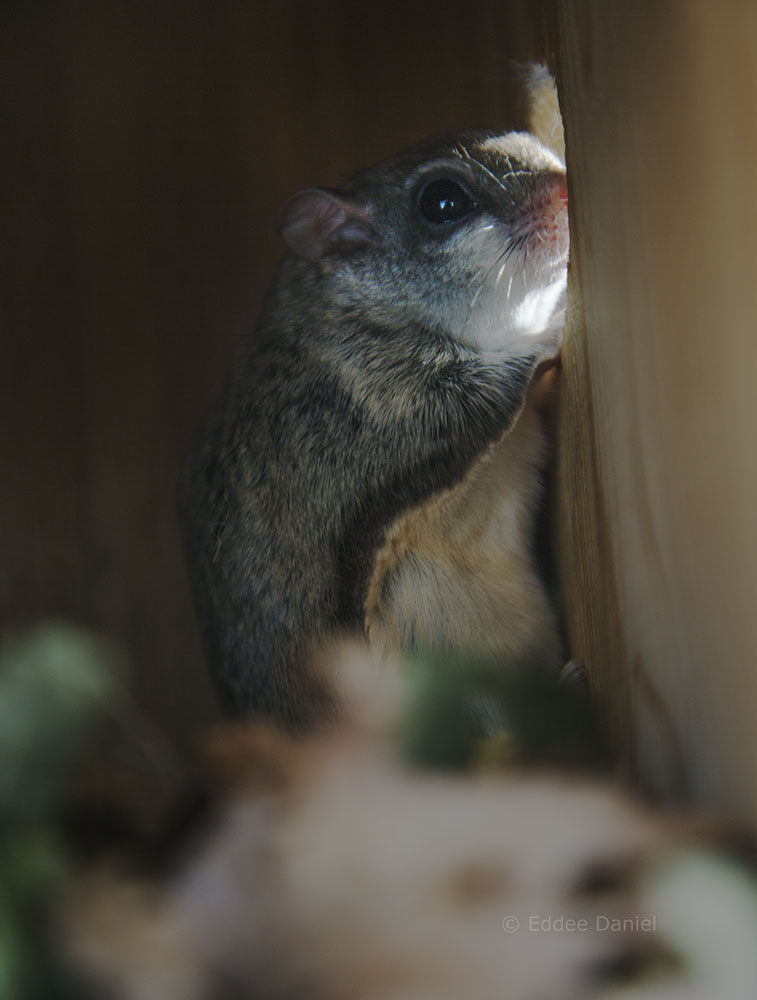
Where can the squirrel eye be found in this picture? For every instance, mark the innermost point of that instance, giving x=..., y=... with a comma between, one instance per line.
x=443, y=201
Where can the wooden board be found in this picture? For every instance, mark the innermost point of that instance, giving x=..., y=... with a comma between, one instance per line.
x=658, y=459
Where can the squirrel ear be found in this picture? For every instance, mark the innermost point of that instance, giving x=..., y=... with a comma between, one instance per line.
x=315, y=222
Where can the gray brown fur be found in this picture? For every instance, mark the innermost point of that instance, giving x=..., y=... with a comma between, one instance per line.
x=360, y=394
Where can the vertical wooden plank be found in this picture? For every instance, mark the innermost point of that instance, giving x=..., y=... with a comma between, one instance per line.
x=659, y=99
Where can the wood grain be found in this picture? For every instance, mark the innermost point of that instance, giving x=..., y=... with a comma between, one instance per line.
x=659, y=418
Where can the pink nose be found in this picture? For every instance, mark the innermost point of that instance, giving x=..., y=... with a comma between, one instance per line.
x=556, y=186
x=549, y=214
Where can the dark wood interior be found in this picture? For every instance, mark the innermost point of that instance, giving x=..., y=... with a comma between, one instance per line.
x=147, y=146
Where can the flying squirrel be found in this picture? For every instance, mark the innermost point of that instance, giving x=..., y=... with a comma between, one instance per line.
x=374, y=463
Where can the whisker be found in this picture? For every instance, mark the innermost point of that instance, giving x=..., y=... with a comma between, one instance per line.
x=483, y=229
x=493, y=176
x=501, y=257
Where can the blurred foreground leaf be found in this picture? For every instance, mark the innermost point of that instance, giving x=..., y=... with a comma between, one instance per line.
x=466, y=711
x=54, y=684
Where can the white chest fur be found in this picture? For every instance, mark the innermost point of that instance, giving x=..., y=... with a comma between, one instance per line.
x=458, y=570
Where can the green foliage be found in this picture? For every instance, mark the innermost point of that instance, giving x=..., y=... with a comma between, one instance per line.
x=54, y=683
x=467, y=710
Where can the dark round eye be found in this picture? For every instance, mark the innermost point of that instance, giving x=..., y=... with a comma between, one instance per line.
x=443, y=201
